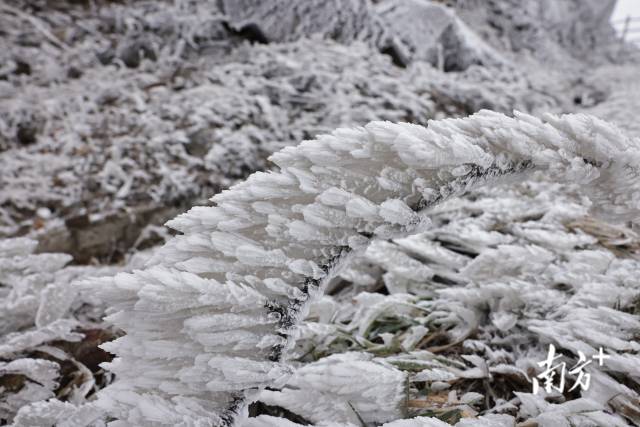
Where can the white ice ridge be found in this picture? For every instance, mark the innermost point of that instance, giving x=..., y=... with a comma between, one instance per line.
x=209, y=322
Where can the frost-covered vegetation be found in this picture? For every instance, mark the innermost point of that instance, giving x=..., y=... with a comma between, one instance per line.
x=381, y=274
x=214, y=316
x=44, y=329
x=114, y=109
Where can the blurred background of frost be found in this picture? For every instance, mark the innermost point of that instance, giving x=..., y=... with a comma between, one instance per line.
x=627, y=14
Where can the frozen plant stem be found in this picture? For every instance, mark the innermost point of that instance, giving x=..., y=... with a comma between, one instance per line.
x=209, y=322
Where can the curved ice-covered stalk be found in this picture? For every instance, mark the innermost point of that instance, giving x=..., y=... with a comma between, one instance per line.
x=212, y=317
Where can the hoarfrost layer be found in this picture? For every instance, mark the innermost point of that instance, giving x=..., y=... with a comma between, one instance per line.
x=154, y=105
x=213, y=317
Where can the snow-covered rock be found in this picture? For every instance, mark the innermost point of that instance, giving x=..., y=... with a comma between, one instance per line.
x=423, y=30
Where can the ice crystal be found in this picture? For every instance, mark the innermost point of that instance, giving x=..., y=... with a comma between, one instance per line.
x=198, y=345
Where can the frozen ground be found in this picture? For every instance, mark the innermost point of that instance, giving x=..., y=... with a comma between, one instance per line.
x=116, y=116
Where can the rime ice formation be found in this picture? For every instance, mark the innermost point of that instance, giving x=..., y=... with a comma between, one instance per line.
x=213, y=317
x=154, y=105
x=114, y=115
x=33, y=293
x=279, y=21
x=485, y=421
x=622, y=100
x=34, y=290
x=226, y=129
x=433, y=33
x=44, y=325
x=512, y=269
x=343, y=388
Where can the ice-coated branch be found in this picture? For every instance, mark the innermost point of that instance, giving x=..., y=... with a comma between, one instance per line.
x=210, y=320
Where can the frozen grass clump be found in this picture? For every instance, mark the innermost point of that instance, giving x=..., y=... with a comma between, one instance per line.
x=213, y=318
